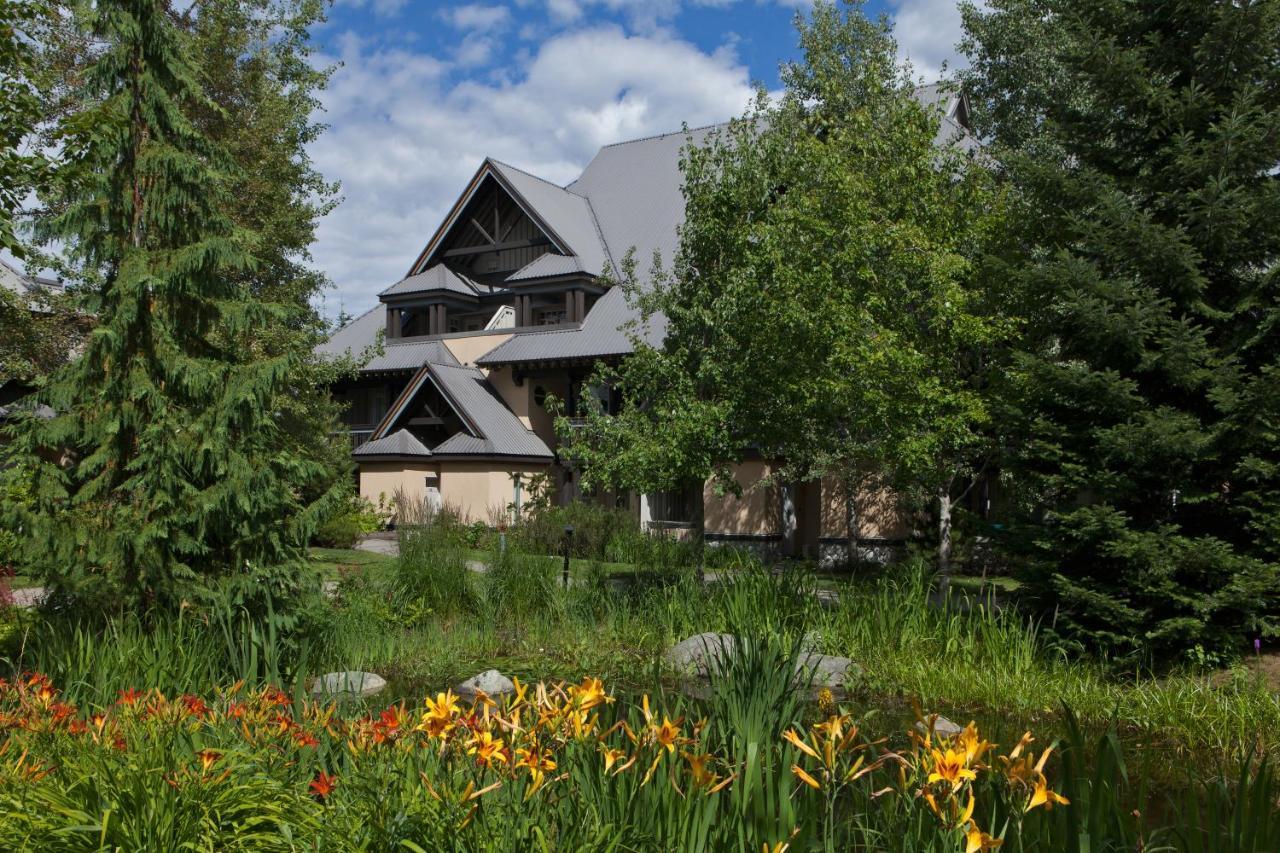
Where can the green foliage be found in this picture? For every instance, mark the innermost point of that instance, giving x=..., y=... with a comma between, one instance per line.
x=518, y=586
x=1140, y=140
x=823, y=309
x=20, y=97
x=354, y=518
x=432, y=576
x=179, y=470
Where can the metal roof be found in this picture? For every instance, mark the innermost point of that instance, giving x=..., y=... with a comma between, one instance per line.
x=606, y=331
x=438, y=277
x=410, y=356
x=502, y=433
x=353, y=338
x=400, y=443
x=548, y=265
x=567, y=213
x=631, y=195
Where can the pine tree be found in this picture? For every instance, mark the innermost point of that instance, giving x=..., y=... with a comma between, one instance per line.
x=163, y=467
x=1144, y=139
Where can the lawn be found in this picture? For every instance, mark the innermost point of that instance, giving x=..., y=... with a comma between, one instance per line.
x=332, y=563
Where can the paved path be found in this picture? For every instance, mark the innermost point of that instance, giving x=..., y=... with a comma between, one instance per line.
x=28, y=596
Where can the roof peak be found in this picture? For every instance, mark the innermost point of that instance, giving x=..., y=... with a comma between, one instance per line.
x=563, y=187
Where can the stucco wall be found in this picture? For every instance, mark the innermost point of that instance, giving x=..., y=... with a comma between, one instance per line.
x=879, y=514
x=384, y=479
x=480, y=490
x=756, y=513
x=519, y=398
x=467, y=348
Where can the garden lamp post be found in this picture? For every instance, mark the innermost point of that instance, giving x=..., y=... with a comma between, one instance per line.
x=568, y=543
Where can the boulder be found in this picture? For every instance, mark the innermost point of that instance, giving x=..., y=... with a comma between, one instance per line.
x=490, y=682
x=348, y=685
x=830, y=671
x=699, y=654
x=942, y=727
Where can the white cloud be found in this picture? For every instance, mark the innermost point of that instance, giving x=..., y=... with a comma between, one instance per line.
x=476, y=16
x=927, y=33
x=406, y=137
x=380, y=8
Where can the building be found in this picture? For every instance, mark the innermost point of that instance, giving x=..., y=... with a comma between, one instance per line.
x=505, y=306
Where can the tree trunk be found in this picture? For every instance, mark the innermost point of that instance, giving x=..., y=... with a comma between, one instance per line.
x=944, y=539
x=699, y=531
x=788, y=519
x=851, y=523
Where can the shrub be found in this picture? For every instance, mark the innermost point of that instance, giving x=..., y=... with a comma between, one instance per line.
x=355, y=517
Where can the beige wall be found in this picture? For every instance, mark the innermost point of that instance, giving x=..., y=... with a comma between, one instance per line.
x=879, y=514
x=467, y=348
x=384, y=479
x=757, y=512
x=481, y=489
x=474, y=488
x=520, y=400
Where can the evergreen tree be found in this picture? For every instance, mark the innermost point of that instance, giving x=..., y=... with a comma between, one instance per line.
x=1144, y=140
x=163, y=466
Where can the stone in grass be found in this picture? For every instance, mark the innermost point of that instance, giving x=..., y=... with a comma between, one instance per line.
x=942, y=727
x=700, y=654
x=348, y=685
x=830, y=671
x=490, y=682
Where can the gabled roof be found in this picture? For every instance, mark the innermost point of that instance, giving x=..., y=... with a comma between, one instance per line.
x=438, y=278
x=400, y=443
x=409, y=356
x=565, y=217
x=548, y=265
x=492, y=429
x=568, y=214
x=628, y=197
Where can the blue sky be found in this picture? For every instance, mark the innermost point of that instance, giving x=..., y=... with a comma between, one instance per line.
x=426, y=90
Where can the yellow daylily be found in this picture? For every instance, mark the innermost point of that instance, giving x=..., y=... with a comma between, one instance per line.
x=976, y=840
x=792, y=737
x=1042, y=796
x=805, y=777
x=667, y=734
x=950, y=767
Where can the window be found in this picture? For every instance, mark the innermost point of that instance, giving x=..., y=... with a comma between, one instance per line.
x=673, y=507
x=548, y=316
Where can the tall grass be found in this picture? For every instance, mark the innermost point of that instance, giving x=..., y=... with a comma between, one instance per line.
x=982, y=658
x=432, y=576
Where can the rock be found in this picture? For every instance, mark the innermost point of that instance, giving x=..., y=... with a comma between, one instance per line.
x=699, y=654
x=942, y=727
x=829, y=671
x=348, y=685
x=491, y=682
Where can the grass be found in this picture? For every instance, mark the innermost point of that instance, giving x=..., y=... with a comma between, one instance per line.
x=331, y=563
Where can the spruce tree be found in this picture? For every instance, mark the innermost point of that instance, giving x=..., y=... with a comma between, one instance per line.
x=1144, y=139
x=163, y=466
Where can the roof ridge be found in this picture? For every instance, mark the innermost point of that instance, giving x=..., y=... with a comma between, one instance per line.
x=564, y=188
x=354, y=320
x=652, y=136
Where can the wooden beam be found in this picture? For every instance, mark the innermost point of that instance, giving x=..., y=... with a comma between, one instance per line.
x=480, y=228
x=497, y=247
